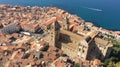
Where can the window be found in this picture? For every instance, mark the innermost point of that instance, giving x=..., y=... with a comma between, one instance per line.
x=84, y=47
x=79, y=49
x=104, y=47
x=100, y=56
x=93, y=48
x=48, y=27
x=63, y=25
x=83, y=51
x=51, y=35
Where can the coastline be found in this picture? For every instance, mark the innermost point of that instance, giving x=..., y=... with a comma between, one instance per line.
x=90, y=24
x=106, y=19
x=46, y=33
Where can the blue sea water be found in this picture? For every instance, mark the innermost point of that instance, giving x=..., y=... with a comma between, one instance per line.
x=103, y=13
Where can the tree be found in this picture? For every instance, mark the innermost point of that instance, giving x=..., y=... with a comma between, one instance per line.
x=114, y=56
x=117, y=64
x=111, y=64
x=77, y=65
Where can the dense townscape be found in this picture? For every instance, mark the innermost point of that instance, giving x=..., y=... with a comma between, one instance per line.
x=50, y=37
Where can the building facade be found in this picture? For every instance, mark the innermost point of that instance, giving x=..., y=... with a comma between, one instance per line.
x=85, y=47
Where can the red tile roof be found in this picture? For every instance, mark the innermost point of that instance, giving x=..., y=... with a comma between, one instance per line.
x=32, y=63
x=59, y=18
x=1, y=25
x=52, y=20
x=71, y=24
x=54, y=9
x=58, y=64
x=52, y=56
x=79, y=21
x=117, y=32
x=30, y=25
x=52, y=48
x=73, y=27
x=5, y=47
x=10, y=65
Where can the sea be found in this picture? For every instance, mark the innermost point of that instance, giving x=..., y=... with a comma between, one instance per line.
x=103, y=13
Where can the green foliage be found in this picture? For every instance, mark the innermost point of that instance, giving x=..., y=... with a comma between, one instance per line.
x=111, y=64
x=117, y=64
x=116, y=50
x=77, y=65
x=116, y=46
x=26, y=56
x=114, y=56
x=106, y=62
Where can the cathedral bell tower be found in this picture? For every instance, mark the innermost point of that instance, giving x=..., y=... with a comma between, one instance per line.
x=54, y=34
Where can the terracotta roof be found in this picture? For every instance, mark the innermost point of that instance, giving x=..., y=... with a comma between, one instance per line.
x=117, y=32
x=59, y=64
x=46, y=58
x=59, y=18
x=42, y=42
x=15, y=35
x=7, y=64
x=30, y=25
x=1, y=34
x=71, y=24
x=106, y=30
x=77, y=60
x=6, y=47
x=86, y=63
x=53, y=56
x=79, y=21
x=1, y=50
x=52, y=20
x=29, y=15
x=52, y=48
x=10, y=65
x=1, y=25
x=4, y=39
x=74, y=28
x=32, y=63
x=19, y=55
x=60, y=51
x=53, y=9
x=13, y=55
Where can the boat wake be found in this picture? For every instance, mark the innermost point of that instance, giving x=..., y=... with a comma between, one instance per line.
x=92, y=9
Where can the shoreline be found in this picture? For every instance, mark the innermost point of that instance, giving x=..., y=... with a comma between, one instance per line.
x=41, y=35
x=111, y=32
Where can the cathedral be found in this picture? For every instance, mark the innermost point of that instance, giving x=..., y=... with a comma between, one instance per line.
x=75, y=45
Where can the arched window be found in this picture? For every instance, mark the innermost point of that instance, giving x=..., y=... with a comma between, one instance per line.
x=79, y=49
x=83, y=51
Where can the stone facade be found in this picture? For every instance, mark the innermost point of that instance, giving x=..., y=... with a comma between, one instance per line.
x=85, y=47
